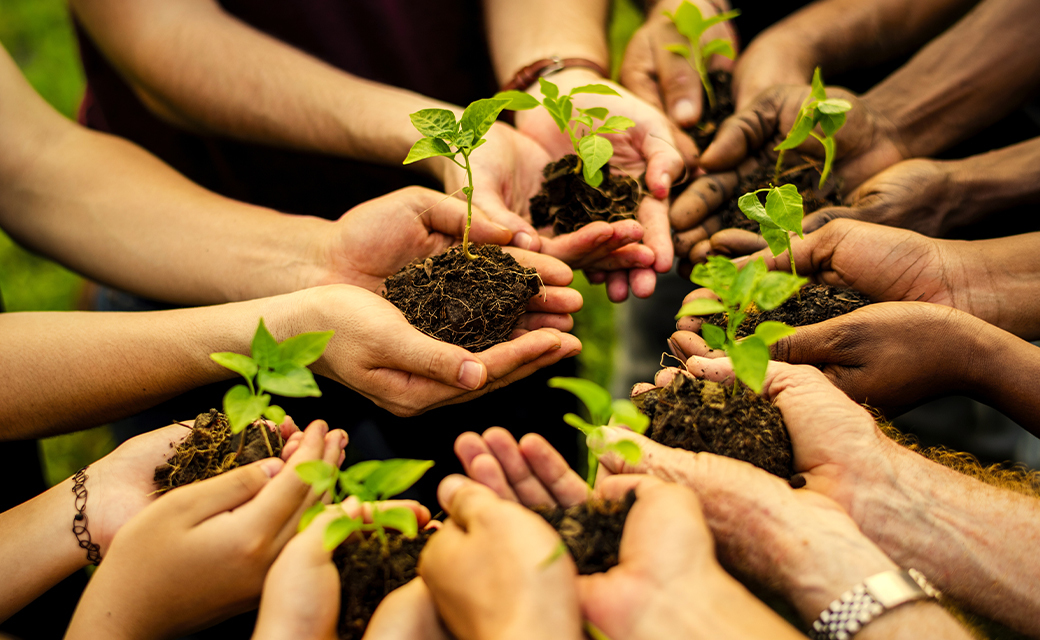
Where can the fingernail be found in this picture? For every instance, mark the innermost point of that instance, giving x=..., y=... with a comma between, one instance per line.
x=449, y=486
x=470, y=374
x=523, y=239
x=343, y=439
x=661, y=192
x=271, y=466
x=683, y=112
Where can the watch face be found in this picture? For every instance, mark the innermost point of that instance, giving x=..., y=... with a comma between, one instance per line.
x=893, y=588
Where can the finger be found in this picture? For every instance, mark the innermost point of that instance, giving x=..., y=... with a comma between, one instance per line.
x=552, y=471
x=593, y=242
x=466, y=501
x=704, y=250
x=653, y=215
x=685, y=241
x=534, y=321
x=468, y=446
x=812, y=344
x=525, y=484
x=414, y=352
x=680, y=85
x=637, y=72
x=595, y=276
x=745, y=131
x=491, y=203
x=617, y=286
x=631, y=256
x=443, y=214
x=664, y=162
x=737, y=242
x=407, y=612
x=820, y=217
x=714, y=369
x=701, y=198
x=203, y=500
x=616, y=487
x=552, y=271
x=488, y=471
x=335, y=442
x=288, y=428
x=692, y=344
x=556, y=300
x=642, y=282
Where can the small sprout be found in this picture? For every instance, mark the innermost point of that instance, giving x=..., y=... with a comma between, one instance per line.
x=692, y=24
x=817, y=109
x=590, y=146
x=371, y=482
x=738, y=290
x=781, y=215
x=603, y=410
x=444, y=136
x=558, y=552
x=278, y=368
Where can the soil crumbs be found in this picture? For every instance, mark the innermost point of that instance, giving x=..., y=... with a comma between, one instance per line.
x=704, y=131
x=815, y=303
x=699, y=415
x=568, y=203
x=472, y=304
x=591, y=531
x=803, y=173
x=211, y=449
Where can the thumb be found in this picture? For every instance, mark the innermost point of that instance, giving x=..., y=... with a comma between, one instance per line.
x=810, y=344
x=664, y=162
x=415, y=352
x=817, y=219
x=203, y=500
x=741, y=133
x=449, y=217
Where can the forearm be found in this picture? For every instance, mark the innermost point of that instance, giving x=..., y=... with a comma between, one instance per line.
x=201, y=68
x=968, y=78
x=37, y=547
x=67, y=371
x=1014, y=393
x=997, y=180
x=970, y=539
x=998, y=281
x=520, y=33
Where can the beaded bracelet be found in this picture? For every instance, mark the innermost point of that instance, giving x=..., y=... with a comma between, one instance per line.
x=79, y=521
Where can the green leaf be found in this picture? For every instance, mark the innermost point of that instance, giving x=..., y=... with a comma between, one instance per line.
x=775, y=237
x=395, y=476
x=596, y=399
x=275, y=414
x=357, y=473
x=719, y=47
x=339, y=530
x=398, y=518
x=305, y=348
x=714, y=336
x=549, y=90
x=746, y=282
x=578, y=423
x=518, y=100
x=295, y=382
x=319, y=474
x=265, y=347
x=700, y=307
x=771, y=332
x=819, y=93
x=566, y=108
x=599, y=89
x=309, y=515
x=553, y=108
x=598, y=113
x=689, y=21
x=828, y=159
x=595, y=152
x=243, y=408
x=585, y=120
x=833, y=106
x=750, y=358
x=799, y=132
x=618, y=123
x=627, y=413
x=435, y=123
x=784, y=207
x=678, y=49
x=751, y=206
x=428, y=148
x=627, y=449
x=720, y=17
x=480, y=115
x=775, y=288
x=831, y=124
x=240, y=364
x=717, y=274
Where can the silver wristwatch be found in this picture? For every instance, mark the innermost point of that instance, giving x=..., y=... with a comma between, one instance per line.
x=868, y=600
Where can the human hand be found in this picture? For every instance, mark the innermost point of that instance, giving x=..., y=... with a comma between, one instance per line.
x=489, y=569
x=200, y=553
x=664, y=79
x=408, y=612
x=377, y=353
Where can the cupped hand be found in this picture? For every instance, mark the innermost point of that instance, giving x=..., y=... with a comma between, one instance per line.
x=408, y=612
x=494, y=569
x=664, y=79
x=200, y=553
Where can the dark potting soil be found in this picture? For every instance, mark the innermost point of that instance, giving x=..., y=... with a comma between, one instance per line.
x=211, y=449
x=567, y=202
x=704, y=131
x=591, y=531
x=474, y=304
x=803, y=173
x=699, y=415
x=816, y=303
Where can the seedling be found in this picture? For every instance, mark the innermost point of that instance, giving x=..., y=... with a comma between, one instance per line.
x=603, y=410
x=278, y=368
x=817, y=108
x=371, y=482
x=444, y=136
x=737, y=291
x=590, y=146
x=692, y=24
x=781, y=215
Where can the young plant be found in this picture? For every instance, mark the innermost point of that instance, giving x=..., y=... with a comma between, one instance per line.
x=444, y=136
x=738, y=290
x=371, y=482
x=692, y=24
x=274, y=368
x=781, y=215
x=603, y=410
x=593, y=150
x=817, y=109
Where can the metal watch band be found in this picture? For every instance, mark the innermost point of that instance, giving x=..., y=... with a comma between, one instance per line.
x=868, y=600
x=527, y=76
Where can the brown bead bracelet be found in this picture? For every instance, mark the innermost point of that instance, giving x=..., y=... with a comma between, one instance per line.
x=527, y=76
x=79, y=521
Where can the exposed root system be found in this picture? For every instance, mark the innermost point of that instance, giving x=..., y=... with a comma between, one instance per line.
x=567, y=202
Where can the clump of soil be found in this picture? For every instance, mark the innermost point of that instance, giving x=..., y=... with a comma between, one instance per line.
x=815, y=303
x=591, y=531
x=567, y=202
x=803, y=173
x=474, y=304
x=704, y=131
x=367, y=576
x=700, y=415
x=211, y=449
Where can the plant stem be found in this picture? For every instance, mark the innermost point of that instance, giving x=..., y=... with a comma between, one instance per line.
x=593, y=468
x=779, y=166
x=702, y=71
x=469, y=208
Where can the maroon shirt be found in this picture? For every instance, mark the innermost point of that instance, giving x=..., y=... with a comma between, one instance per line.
x=434, y=47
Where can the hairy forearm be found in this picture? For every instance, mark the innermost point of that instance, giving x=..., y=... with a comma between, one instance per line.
x=968, y=78
x=520, y=33
x=202, y=68
x=970, y=539
x=37, y=547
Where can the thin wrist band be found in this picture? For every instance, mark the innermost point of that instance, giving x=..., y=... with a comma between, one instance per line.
x=870, y=599
x=79, y=521
x=527, y=76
